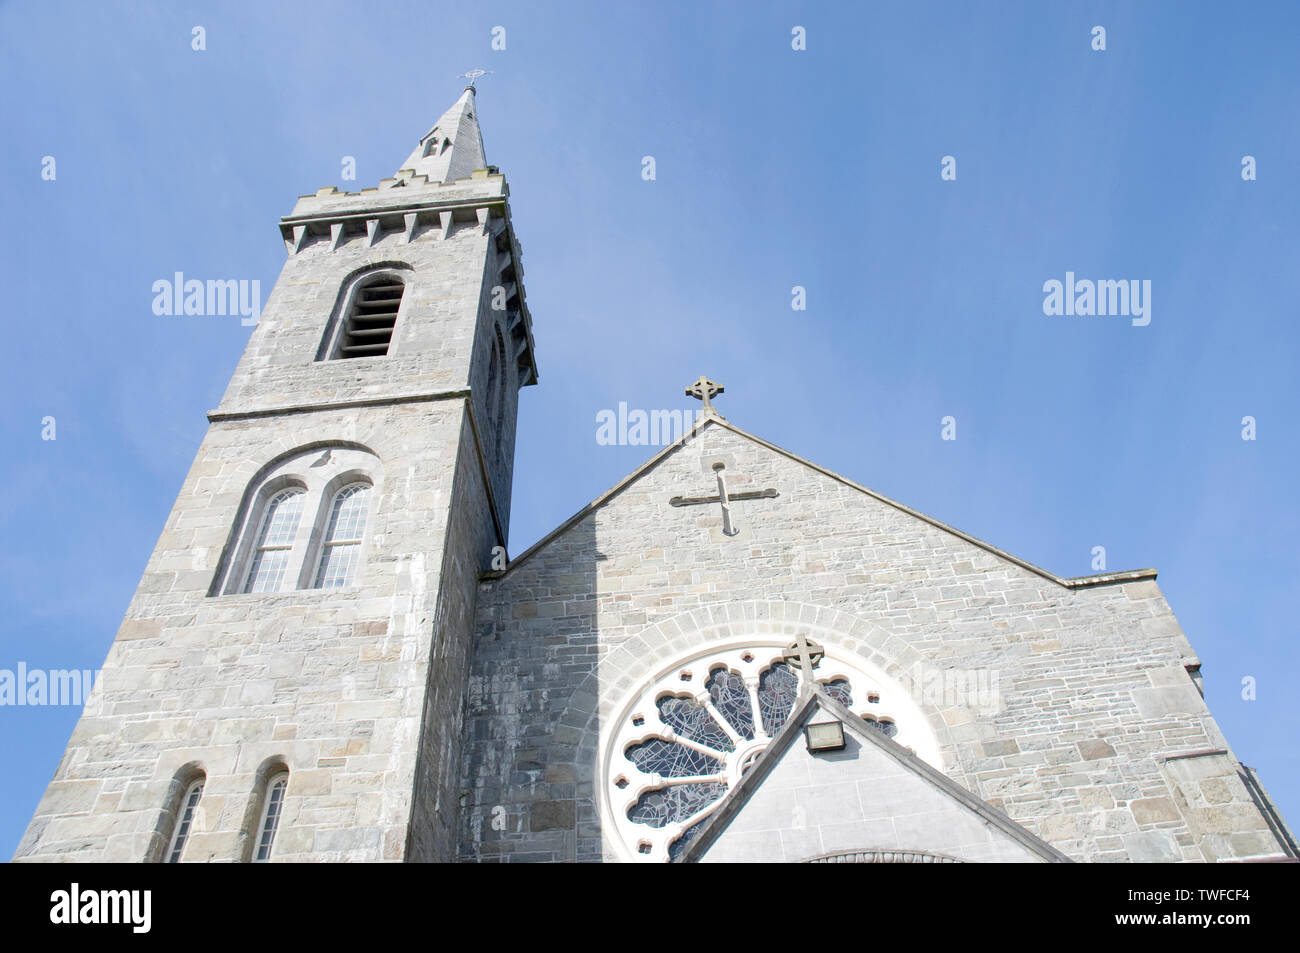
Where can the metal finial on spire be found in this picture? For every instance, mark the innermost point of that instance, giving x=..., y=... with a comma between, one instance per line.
x=473, y=75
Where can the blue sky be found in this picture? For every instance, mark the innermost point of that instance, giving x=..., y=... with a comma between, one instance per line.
x=775, y=168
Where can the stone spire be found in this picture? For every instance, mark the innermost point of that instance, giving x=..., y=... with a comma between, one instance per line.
x=453, y=148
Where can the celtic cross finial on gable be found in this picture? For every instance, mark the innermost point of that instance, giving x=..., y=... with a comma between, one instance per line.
x=705, y=390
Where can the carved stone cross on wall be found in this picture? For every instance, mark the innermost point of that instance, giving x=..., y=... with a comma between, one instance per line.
x=725, y=499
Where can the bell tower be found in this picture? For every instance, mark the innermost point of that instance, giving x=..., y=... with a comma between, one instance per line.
x=462, y=326
x=289, y=680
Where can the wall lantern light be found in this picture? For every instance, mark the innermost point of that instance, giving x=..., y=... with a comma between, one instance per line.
x=824, y=736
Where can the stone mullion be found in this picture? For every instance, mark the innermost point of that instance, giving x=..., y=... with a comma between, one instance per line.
x=707, y=701
x=759, y=731
x=695, y=779
x=673, y=736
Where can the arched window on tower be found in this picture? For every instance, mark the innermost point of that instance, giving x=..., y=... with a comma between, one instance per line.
x=185, y=820
x=270, y=560
x=341, y=544
x=494, y=375
x=371, y=317
x=501, y=389
x=272, y=808
x=496, y=389
x=302, y=524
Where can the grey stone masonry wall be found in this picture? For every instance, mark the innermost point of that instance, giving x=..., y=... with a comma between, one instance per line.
x=433, y=342
x=453, y=252
x=496, y=400
x=1095, y=696
x=435, y=811
x=330, y=681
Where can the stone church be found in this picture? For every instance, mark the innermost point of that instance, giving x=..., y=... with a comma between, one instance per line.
x=732, y=655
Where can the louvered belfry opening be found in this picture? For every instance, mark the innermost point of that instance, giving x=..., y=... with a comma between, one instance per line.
x=369, y=328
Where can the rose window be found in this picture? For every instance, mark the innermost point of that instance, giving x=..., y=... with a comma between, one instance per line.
x=688, y=736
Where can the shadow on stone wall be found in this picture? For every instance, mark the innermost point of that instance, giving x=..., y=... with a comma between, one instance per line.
x=526, y=793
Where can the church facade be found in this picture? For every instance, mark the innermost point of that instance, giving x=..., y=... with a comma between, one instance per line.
x=732, y=655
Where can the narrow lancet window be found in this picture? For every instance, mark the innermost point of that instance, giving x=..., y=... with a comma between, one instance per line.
x=275, y=542
x=189, y=804
x=271, y=811
x=341, y=546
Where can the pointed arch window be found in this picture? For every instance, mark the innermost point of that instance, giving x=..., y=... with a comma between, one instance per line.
x=272, y=807
x=185, y=822
x=275, y=541
x=368, y=328
x=494, y=377
x=341, y=545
